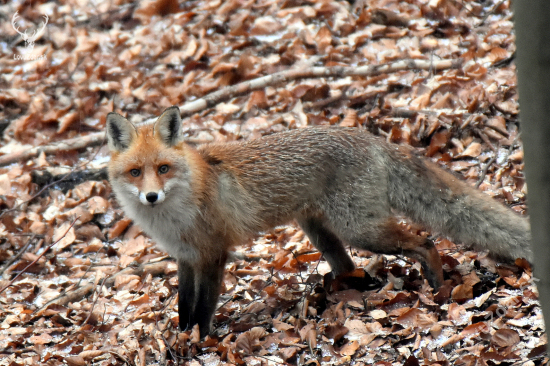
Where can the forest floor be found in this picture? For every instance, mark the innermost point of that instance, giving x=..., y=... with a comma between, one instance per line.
x=105, y=294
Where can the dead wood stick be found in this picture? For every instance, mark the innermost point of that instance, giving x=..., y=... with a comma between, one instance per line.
x=409, y=113
x=76, y=143
x=229, y=92
x=312, y=72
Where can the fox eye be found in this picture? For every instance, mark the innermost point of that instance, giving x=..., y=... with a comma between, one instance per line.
x=135, y=172
x=163, y=169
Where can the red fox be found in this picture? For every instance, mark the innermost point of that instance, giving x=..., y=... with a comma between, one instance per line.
x=340, y=184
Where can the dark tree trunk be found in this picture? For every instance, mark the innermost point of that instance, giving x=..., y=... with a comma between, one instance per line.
x=533, y=63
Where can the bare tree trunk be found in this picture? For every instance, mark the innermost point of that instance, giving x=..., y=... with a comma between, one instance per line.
x=533, y=61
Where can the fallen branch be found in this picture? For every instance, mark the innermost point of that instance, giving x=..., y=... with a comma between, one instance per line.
x=311, y=72
x=229, y=92
x=409, y=113
x=76, y=143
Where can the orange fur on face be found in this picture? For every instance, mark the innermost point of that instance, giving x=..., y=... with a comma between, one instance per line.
x=147, y=154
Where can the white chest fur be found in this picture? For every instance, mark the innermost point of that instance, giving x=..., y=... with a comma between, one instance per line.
x=164, y=222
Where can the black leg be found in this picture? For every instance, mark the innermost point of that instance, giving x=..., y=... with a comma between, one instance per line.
x=207, y=296
x=329, y=244
x=426, y=253
x=386, y=236
x=186, y=293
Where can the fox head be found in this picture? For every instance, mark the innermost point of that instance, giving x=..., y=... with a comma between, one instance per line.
x=150, y=163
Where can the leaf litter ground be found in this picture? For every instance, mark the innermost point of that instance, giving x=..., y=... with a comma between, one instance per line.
x=105, y=295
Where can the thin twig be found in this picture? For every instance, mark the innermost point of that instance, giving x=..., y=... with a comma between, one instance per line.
x=93, y=304
x=50, y=184
x=486, y=169
x=38, y=193
x=161, y=332
x=75, y=295
x=40, y=256
x=310, y=72
x=18, y=255
x=489, y=13
x=492, y=160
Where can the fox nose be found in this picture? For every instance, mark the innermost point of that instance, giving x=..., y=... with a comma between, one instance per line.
x=151, y=197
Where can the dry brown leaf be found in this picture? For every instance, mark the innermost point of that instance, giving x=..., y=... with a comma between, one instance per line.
x=436, y=330
x=118, y=228
x=497, y=54
x=88, y=232
x=474, y=329
x=473, y=150
x=350, y=348
x=505, y=338
x=65, y=234
x=350, y=119
x=508, y=106
x=288, y=353
x=5, y=185
x=38, y=228
x=323, y=39
x=309, y=257
x=43, y=338
x=267, y=25
x=84, y=190
x=88, y=355
x=457, y=314
x=462, y=292
x=257, y=100
x=83, y=215
x=445, y=101
x=471, y=279
x=122, y=280
x=98, y=205
x=281, y=326
x=195, y=336
x=75, y=361
x=133, y=246
x=409, y=318
x=311, y=339
x=438, y=142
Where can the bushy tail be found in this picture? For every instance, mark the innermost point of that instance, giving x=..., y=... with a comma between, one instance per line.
x=435, y=198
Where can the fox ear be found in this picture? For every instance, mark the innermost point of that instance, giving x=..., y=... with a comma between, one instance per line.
x=168, y=126
x=120, y=132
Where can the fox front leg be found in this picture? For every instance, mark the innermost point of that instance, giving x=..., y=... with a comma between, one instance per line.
x=198, y=290
x=208, y=284
x=186, y=295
